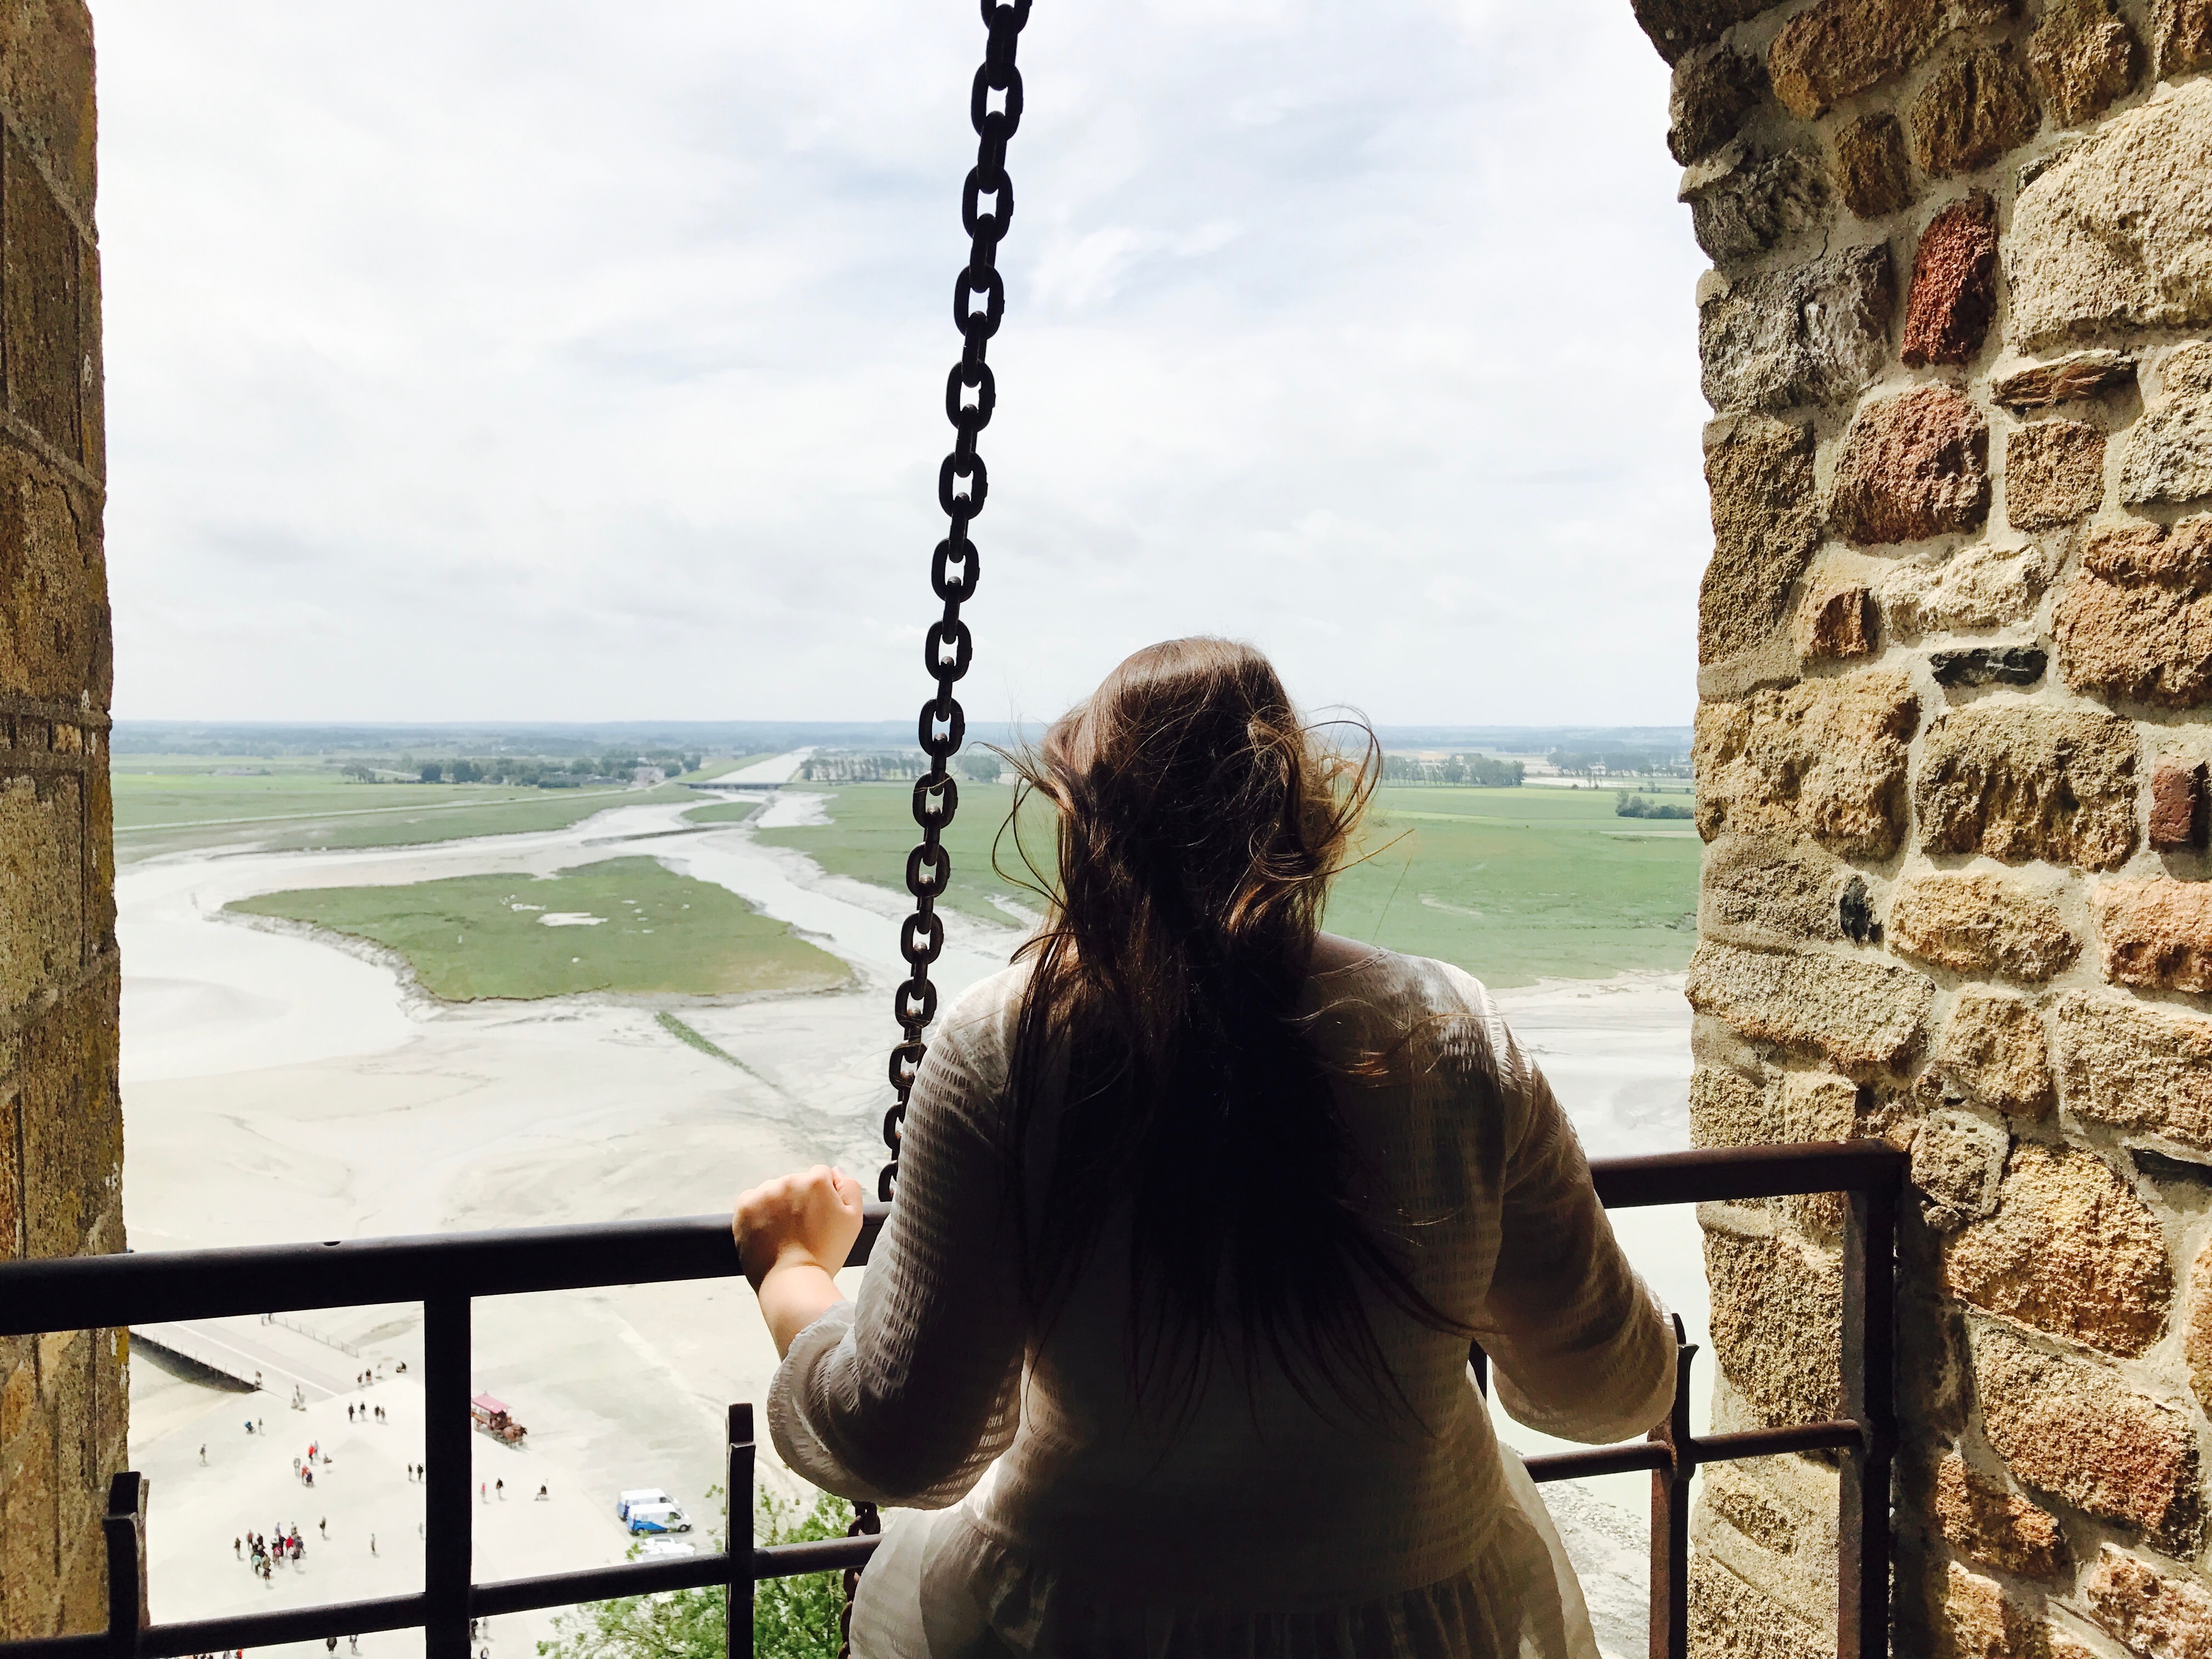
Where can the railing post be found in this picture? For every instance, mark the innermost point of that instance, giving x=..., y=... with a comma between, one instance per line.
x=447, y=1523
x=1670, y=1516
x=739, y=1604
x=123, y=1529
x=1869, y=1360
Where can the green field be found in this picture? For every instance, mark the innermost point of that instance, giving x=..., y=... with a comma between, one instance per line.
x=470, y=936
x=1512, y=885
x=723, y=811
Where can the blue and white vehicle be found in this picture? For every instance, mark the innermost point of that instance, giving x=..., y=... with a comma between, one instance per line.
x=624, y=1501
x=658, y=1518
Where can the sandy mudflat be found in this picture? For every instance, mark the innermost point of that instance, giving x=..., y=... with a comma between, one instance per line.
x=280, y=1086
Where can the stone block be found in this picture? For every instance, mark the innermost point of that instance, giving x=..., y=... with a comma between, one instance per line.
x=1743, y=203
x=1778, y=1324
x=2071, y=1250
x=1825, y=757
x=2016, y=781
x=1976, y=587
x=1675, y=26
x=2155, y=933
x=1991, y=1051
x=1812, y=334
x=72, y=1120
x=1770, y=892
x=2167, y=457
x=1715, y=87
x=2071, y=379
x=1911, y=466
x=1994, y=1527
x=1862, y=1015
x=46, y=76
x=53, y=595
x=1727, y=1108
x=2197, y=1335
x=29, y=1525
x=1958, y=1167
x=1871, y=172
x=2134, y=620
x=2054, y=474
x=1729, y=1619
x=41, y=885
x=1988, y=665
x=1953, y=293
x=2074, y=1429
x=40, y=307
x=2136, y=1067
x=2177, y=806
x=1981, y=924
x=2083, y=56
x=2118, y=234
x=1837, y=623
x=1973, y=1619
x=1766, y=523
x=1835, y=48
x=1976, y=105
x=2152, y=1613
x=2181, y=31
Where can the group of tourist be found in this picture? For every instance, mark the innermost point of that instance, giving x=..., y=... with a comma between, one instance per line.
x=267, y=1554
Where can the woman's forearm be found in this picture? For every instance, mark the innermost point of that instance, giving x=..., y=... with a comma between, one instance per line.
x=792, y=1296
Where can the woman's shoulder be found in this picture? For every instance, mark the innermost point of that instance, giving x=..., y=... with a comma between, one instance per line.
x=979, y=1026
x=1345, y=967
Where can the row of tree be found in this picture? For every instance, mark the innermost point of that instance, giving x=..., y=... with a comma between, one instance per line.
x=525, y=772
x=1626, y=805
x=1482, y=771
x=1577, y=763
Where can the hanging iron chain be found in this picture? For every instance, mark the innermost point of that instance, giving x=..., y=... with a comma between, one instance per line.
x=979, y=301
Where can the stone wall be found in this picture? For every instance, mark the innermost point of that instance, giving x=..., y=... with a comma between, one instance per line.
x=62, y=1397
x=1955, y=672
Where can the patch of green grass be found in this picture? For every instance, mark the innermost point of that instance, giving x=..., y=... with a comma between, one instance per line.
x=723, y=811
x=871, y=828
x=470, y=936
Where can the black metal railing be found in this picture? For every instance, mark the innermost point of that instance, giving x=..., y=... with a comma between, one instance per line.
x=446, y=1272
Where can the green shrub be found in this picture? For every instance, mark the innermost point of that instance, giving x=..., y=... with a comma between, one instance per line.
x=793, y=1617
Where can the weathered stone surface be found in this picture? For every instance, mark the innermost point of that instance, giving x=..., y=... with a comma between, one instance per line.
x=2018, y=781
x=2155, y=933
x=1973, y=1619
x=1958, y=1165
x=2168, y=456
x=2054, y=474
x=1837, y=622
x=2177, y=806
x=53, y=594
x=1674, y=27
x=1742, y=202
x=2083, y=56
x=2118, y=234
x=1818, y=1106
x=2156, y=1615
x=2197, y=1337
x=2134, y=620
x=1912, y=466
x=1991, y=1051
x=2136, y=1067
x=1855, y=912
x=2181, y=31
x=1715, y=87
x=1766, y=523
x=1826, y=756
x=1809, y=335
x=1995, y=1527
x=1953, y=293
x=41, y=884
x=1976, y=106
x=1980, y=924
x=1770, y=892
x=1861, y=1015
x=1729, y=1619
x=1871, y=173
x=2070, y=379
x=1988, y=665
x=1727, y=1108
x=2071, y=1250
x=1778, y=1324
x=1838, y=47
x=2074, y=1429
x=1975, y=587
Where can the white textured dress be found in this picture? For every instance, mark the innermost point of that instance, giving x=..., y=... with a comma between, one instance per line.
x=1045, y=1510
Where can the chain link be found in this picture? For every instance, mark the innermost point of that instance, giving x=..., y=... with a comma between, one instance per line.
x=979, y=302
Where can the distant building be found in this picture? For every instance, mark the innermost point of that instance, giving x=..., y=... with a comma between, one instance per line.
x=649, y=774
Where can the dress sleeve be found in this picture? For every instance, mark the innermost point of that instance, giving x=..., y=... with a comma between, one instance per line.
x=1581, y=1347
x=906, y=1396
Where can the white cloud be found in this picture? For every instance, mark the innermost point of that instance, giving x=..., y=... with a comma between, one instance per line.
x=557, y=360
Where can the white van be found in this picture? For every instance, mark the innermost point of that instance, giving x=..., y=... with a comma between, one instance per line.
x=641, y=1495
x=658, y=1518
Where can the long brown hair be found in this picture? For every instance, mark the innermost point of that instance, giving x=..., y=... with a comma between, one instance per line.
x=1200, y=823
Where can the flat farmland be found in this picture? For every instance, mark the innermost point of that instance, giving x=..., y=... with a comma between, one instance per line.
x=872, y=828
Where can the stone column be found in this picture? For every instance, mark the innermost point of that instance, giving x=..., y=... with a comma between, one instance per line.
x=62, y=1397
x=1955, y=673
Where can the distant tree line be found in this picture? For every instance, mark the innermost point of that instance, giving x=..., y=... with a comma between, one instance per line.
x=523, y=771
x=1482, y=771
x=1577, y=763
x=1626, y=805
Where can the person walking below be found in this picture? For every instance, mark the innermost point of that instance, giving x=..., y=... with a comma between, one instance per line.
x=1166, y=1341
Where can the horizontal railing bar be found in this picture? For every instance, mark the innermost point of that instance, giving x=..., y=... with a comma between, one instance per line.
x=1840, y=1434
x=255, y=1630
x=102, y=1291
x=58, y=1647
x=1624, y=1459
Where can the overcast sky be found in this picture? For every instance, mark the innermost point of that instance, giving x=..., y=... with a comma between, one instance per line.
x=538, y=359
